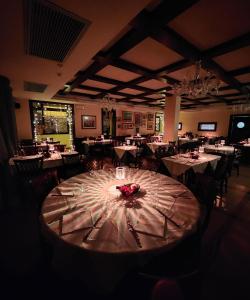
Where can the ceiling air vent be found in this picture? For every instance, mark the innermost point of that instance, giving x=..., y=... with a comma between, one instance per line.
x=50, y=31
x=34, y=87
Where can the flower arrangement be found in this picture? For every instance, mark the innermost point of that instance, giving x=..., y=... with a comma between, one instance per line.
x=129, y=189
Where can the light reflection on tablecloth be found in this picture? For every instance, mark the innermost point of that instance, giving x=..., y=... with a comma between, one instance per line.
x=99, y=214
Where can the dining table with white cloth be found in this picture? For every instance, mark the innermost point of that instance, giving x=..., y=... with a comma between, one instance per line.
x=100, y=235
x=135, y=138
x=155, y=145
x=122, y=150
x=54, y=161
x=180, y=163
x=186, y=140
x=227, y=150
x=93, y=142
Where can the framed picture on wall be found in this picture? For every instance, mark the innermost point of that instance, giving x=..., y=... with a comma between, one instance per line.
x=137, y=116
x=88, y=121
x=157, y=123
x=127, y=116
x=150, y=126
x=127, y=125
x=150, y=117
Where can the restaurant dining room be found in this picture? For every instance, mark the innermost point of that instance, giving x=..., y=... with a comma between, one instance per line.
x=125, y=149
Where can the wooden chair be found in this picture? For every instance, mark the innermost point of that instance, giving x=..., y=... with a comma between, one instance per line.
x=72, y=165
x=59, y=147
x=34, y=181
x=29, y=150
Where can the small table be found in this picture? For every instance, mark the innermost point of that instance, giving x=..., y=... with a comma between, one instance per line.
x=93, y=142
x=122, y=150
x=52, y=162
x=178, y=164
x=221, y=149
x=155, y=145
x=186, y=140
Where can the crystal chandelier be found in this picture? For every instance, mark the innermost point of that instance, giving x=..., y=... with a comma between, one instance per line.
x=108, y=102
x=196, y=84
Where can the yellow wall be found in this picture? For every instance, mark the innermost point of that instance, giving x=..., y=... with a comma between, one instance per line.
x=190, y=121
x=87, y=108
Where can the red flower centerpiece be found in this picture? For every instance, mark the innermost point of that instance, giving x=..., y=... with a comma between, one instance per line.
x=129, y=189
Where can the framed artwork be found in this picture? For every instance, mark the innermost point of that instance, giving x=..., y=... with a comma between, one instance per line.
x=157, y=123
x=128, y=125
x=88, y=121
x=127, y=116
x=137, y=117
x=207, y=126
x=150, y=117
x=150, y=126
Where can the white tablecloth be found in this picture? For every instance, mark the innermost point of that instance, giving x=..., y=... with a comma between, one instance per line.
x=89, y=213
x=186, y=140
x=221, y=149
x=180, y=163
x=54, y=161
x=93, y=142
x=135, y=138
x=120, y=150
x=155, y=145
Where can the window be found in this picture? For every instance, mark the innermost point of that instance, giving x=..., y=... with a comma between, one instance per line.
x=207, y=126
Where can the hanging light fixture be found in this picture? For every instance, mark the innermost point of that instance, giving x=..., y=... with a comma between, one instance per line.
x=108, y=102
x=198, y=84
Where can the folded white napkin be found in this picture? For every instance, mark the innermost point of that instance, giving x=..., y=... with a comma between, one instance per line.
x=151, y=225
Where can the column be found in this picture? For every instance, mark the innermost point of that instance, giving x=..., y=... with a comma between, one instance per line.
x=171, y=118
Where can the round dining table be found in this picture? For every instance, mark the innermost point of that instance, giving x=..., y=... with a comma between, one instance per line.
x=99, y=234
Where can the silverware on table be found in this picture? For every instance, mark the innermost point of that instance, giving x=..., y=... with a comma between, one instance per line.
x=92, y=228
x=133, y=232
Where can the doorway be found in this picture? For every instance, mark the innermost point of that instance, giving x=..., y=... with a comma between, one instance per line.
x=239, y=128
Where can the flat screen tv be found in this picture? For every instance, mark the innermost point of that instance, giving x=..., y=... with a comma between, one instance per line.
x=207, y=126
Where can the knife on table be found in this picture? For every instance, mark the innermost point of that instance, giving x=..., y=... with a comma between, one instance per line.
x=92, y=228
x=133, y=232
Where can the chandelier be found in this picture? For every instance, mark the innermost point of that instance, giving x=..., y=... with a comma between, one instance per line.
x=198, y=84
x=108, y=102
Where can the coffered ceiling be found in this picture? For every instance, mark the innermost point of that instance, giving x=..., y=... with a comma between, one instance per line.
x=133, y=50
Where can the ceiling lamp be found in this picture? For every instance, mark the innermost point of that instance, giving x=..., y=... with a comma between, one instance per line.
x=108, y=102
x=198, y=84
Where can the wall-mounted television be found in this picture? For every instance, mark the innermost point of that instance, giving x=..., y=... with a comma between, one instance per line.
x=207, y=126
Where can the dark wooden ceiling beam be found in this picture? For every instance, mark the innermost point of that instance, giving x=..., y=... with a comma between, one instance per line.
x=174, y=66
x=145, y=23
x=240, y=71
x=174, y=41
x=234, y=44
x=119, y=83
